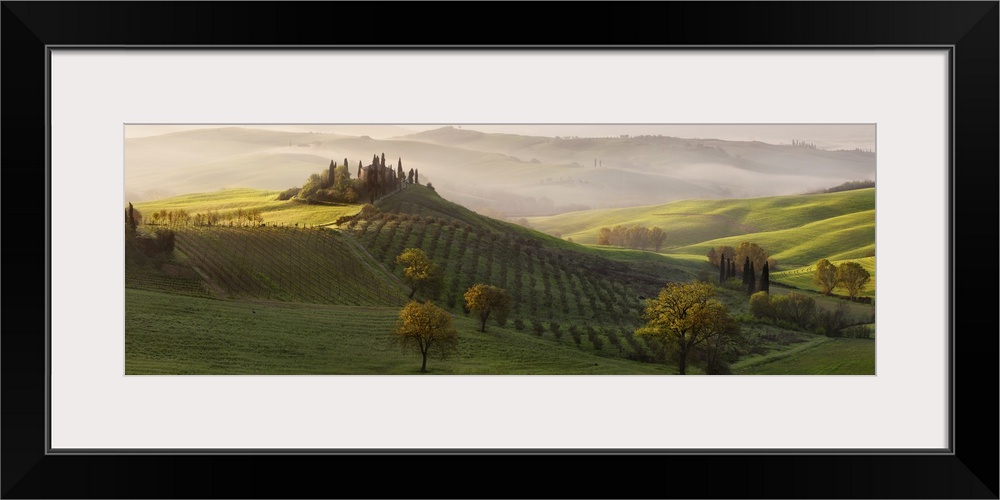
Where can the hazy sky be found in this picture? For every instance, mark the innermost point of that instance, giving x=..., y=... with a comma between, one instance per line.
x=826, y=136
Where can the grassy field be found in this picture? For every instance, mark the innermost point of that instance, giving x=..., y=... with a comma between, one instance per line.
x=826, y=356
x=803, y=277
x=171, y=334
x=288, y=213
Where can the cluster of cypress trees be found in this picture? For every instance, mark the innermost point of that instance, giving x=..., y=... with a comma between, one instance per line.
x=380, y=179
x=727, y=270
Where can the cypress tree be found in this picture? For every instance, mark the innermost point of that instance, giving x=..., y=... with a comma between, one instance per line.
x=732, y=269
x=747, y=277
x=359, y=169
x=765, y=283
x=373, y=176
x=722, y=268
x=751, y=285
x=130, y=220
x=416, y=176
x=383, y=160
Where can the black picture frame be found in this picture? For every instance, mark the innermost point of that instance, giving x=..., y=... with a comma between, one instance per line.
x=969, y=28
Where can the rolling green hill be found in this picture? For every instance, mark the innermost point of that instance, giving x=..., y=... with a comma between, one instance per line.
x=278, y=298
x=548, y=278
x=795, y=230
x=846, y=235
x=695, y=221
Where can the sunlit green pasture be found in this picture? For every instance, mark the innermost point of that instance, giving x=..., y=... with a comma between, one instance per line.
x=690, y=222
x=172, y=334
x=288, y=212
x=806, y=244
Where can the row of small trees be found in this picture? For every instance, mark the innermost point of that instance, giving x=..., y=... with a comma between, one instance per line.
x=636, y=236
x=181, y=217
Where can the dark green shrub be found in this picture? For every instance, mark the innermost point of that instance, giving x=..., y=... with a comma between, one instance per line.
x=555, y=329
x=537, y=326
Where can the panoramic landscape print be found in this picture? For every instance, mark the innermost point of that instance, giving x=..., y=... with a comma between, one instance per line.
x=499, y=249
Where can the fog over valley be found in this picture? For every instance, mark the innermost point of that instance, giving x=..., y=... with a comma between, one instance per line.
x=510, y=170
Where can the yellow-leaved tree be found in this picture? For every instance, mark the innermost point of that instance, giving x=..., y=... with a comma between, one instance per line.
x=425, y=328
x=825, y=276
x=686, y=317
x=421, y=273
x=486, y=300
x=853, y=278
x=757, y=255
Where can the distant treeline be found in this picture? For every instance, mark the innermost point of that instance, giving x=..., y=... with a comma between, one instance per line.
x=803, y=144
x=180, y=217
x=637, y=237
x=847, y=186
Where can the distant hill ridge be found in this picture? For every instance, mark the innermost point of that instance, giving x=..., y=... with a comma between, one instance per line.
x=514, y=174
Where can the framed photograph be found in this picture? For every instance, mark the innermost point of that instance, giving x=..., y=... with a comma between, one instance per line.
x=310, y=250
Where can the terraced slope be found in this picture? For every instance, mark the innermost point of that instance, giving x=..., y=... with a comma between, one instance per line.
x=314, y=265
